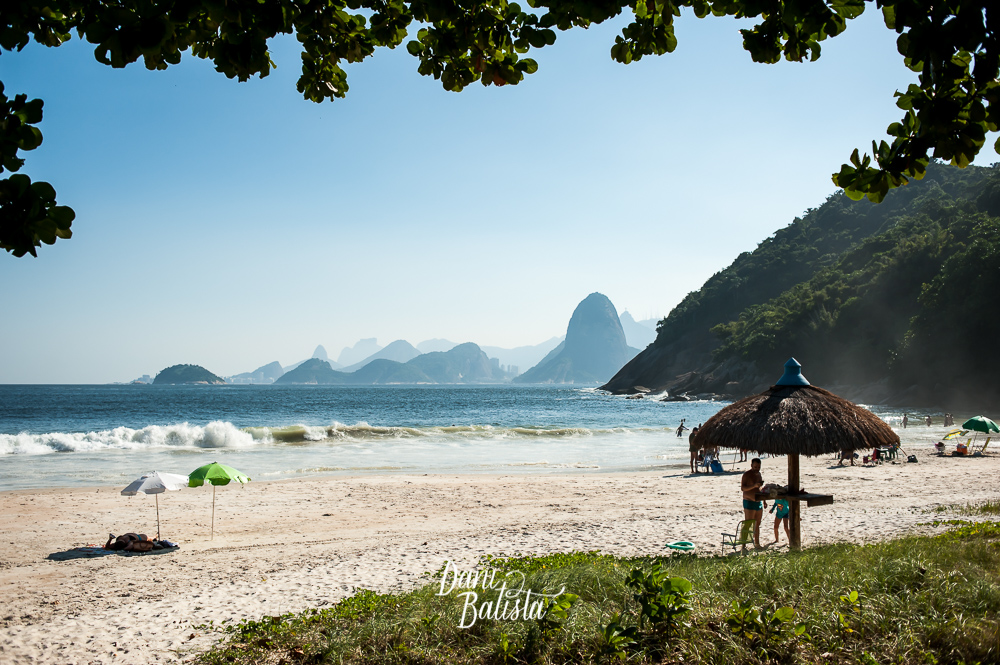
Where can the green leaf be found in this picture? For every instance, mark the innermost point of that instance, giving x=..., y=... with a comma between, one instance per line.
x=889, y=15
x=44, y=191
x=783, y=614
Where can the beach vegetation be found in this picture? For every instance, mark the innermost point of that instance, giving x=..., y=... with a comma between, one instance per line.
x=917, y=599
x=946, y=114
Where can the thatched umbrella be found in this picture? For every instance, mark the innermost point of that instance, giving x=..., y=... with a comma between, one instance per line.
x=795, y=418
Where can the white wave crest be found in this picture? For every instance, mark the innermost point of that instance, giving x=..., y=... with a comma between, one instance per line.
x=215, y=434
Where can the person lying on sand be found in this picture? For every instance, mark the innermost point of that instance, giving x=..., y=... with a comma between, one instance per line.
x=129, y=542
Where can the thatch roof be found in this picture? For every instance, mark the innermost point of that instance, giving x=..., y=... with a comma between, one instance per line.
x=800, y=419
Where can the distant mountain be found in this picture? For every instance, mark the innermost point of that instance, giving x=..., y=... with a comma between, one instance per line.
x=432, y=345
x=313, y=370
x=636, y=334
x=401, y=351
x=355, y=354
x=650, y=323
x=594, y=348
x=383, y=371
x=264, y=374
x=466, y=363
x=320, y=353
x=176, y=374
x=522, y=357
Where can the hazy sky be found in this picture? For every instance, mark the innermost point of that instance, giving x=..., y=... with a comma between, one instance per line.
x=231, y=224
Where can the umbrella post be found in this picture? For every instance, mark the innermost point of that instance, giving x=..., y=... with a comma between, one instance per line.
x=794, y=514
x=212, y=532
x=157, y=515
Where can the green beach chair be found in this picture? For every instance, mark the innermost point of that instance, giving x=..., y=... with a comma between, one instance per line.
x=742, y=537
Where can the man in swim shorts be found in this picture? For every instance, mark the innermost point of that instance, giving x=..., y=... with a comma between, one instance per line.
x=753, y=509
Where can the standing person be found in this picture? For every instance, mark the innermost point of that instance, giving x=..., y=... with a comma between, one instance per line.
x=781, y=516
x=693, y=447
x=928, y=421
x=753, y=509
x=905, y=420
x=681, y=428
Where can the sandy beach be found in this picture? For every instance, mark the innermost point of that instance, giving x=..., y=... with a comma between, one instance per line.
x=286, y=546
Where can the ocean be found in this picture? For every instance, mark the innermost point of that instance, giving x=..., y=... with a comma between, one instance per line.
x=68, y=436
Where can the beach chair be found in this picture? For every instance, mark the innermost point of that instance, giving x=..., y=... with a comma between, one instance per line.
x=981, y=449
x=742, y=537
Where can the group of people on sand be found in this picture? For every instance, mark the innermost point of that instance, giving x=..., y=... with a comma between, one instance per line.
x=704, y=456
x=753, y=509
x=700, y=456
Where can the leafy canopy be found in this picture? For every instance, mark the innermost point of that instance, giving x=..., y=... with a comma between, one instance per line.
x=952, y=44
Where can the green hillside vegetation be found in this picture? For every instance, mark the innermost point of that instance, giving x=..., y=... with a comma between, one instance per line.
x=186, y=374
x=897, y=293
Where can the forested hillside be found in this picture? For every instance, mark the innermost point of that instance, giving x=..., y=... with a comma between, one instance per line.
x=891, y=301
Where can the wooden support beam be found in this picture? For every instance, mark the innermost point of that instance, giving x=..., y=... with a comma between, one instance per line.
x=794, y=507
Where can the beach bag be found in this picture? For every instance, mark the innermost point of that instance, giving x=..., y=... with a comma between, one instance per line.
x=911, y=458
x=717, y=466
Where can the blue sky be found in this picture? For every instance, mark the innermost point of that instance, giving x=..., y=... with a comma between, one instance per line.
x=229, y=224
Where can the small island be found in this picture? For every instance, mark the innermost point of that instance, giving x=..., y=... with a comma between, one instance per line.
x=187, y=374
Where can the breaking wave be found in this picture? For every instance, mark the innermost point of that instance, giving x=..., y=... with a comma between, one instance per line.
x=216, y=434
x=219, y=434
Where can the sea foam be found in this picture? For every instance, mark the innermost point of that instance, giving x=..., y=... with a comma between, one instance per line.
x=215, y=434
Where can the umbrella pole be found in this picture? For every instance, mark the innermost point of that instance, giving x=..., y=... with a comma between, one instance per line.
x=157, y=516
x=212, y=536
x=794, y=515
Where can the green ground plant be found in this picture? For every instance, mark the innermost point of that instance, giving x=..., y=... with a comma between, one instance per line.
x=914, y=600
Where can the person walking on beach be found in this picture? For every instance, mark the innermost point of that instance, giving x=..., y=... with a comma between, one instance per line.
x=781, y=516
x=928, y=421
x=693, y=447
x=753, y=509
x=905, y=420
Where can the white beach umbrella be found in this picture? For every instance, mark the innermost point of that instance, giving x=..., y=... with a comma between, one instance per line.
x=156, y=483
